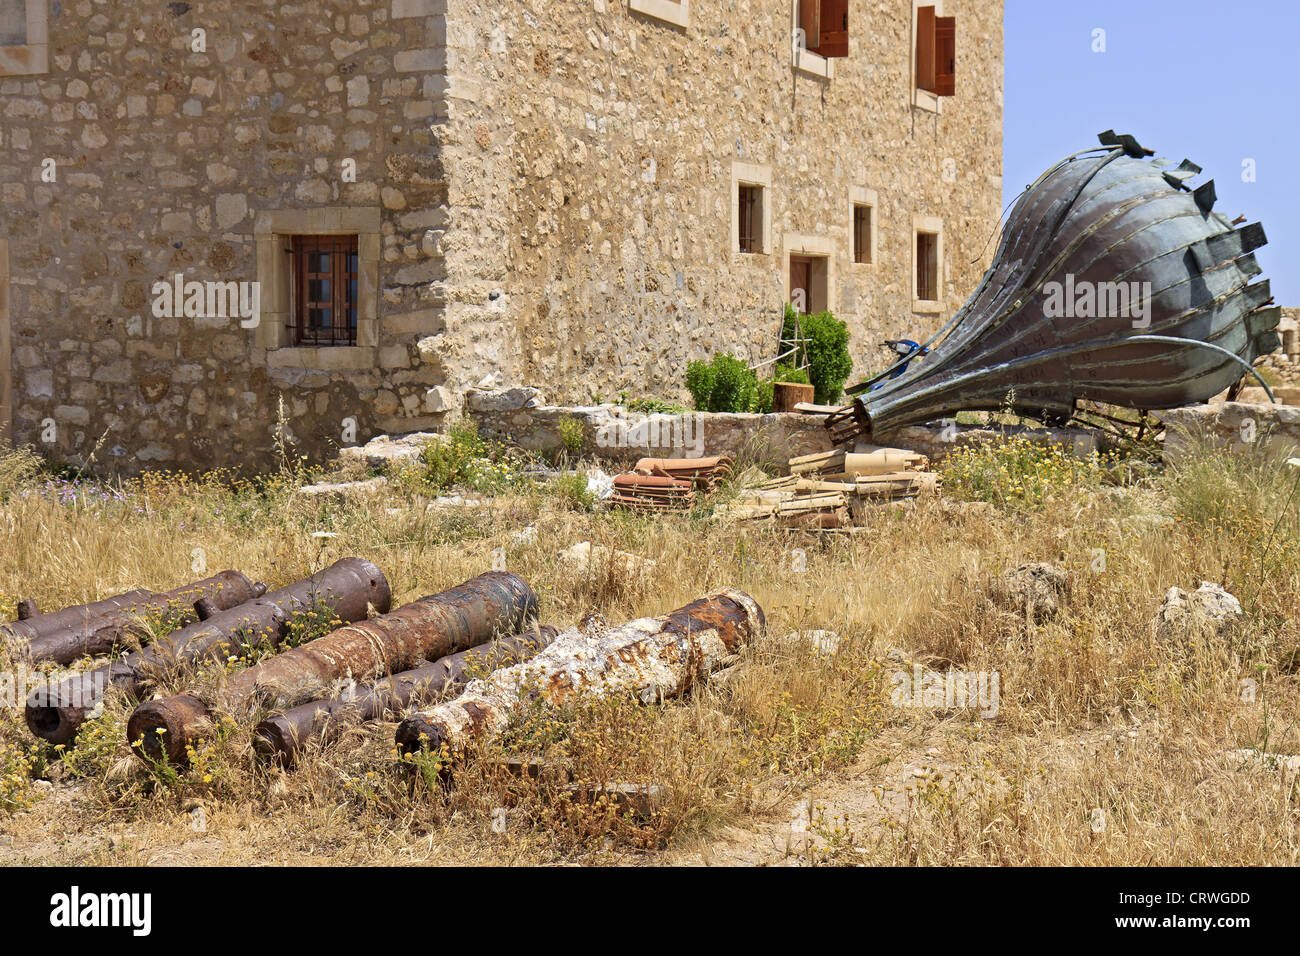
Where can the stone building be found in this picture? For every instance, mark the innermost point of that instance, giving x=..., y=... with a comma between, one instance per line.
x=220, y=214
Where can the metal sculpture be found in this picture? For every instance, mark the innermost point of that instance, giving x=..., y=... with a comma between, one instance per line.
x=1114, y=282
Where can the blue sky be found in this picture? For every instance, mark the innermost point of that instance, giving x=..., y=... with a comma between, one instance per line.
x=1211, y=80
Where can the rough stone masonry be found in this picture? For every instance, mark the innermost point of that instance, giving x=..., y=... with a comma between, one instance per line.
x=541, y=192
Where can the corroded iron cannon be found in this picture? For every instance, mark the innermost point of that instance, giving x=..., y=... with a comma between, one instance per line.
x=89, y=630
x=282, y=736
x=349, y=587
x=426, y=629
x=650, y=659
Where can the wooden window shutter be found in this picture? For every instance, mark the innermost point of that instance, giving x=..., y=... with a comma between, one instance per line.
x=925, y=49
x=945, y=43
x=810, y=23
x=833, y=28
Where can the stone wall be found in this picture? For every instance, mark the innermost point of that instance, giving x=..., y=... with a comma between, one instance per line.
x=542, y=193
x=1236, y=426
x=163, y=159
x=1284, y=365
x=590, y=154
x=611, y=432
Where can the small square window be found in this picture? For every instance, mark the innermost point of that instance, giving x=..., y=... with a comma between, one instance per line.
x=13, y=22
x=750, y=206
x=927, y=266
x=861, y=233
x=324, y=282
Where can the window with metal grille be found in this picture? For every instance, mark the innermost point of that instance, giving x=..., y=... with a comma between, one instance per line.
x=861, y=232
x=324, y=289
x=927, y=266
x=751, y=218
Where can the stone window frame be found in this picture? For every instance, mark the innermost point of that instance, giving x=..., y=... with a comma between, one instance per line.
x=862, y=196
x=817, y=247
x=751, y=174
x=929, y=225
x=922, y=99
x=676, y=12
x=809, y=64
x=271, y=232
x=34, y=57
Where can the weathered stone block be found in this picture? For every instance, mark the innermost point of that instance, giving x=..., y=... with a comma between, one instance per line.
x=420, y=61
x=503, y=399
x=438, y=399
x=414, y=8
x=1234, y=426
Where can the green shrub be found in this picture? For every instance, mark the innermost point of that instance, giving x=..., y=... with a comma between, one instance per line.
x=1017, y=473
x=451, y=462
x=826, y=352
x=16, y=765
x=699, y=382
x=727, y=385
x=570, y=492
x=652, y=406
x=315, y=620
x=95, y=749
x=734, y=385
x=461, y=458
x=788, y=373
x=570, y=431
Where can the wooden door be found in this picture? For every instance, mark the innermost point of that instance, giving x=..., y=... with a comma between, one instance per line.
x=801, y=283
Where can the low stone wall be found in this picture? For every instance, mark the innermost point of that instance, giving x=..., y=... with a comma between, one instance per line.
x=1285, y=394
x=613, y=433
x=1237, y=426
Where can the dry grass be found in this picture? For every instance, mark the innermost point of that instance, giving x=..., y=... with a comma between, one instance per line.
x=790, y=720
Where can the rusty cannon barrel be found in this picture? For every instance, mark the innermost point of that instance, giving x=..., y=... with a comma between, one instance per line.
x=89, y=630
x=425, y=629
x=350, y=587
x=650, y=659
x=282, y=736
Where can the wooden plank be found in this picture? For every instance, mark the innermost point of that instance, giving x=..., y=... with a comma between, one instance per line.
x=925, y=49
x=945, y=56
